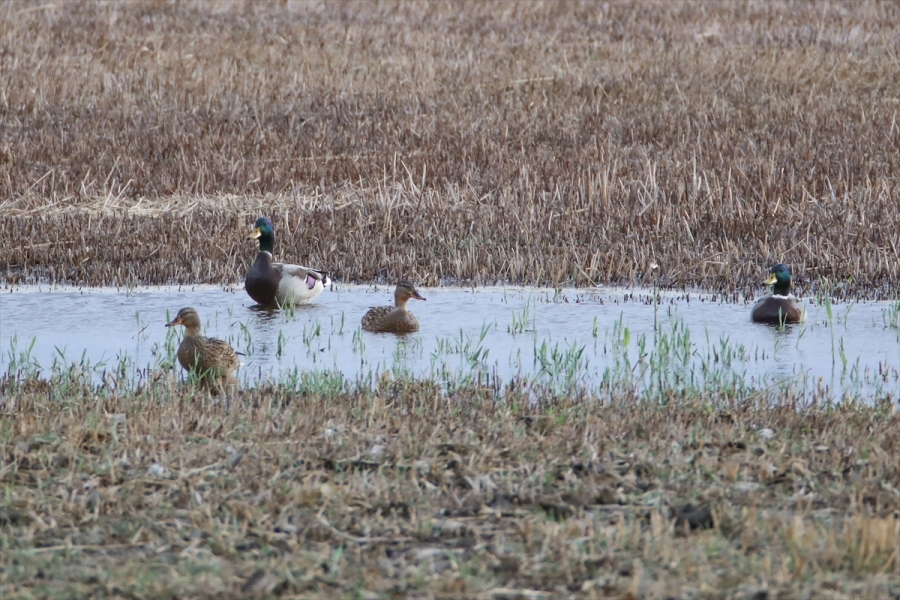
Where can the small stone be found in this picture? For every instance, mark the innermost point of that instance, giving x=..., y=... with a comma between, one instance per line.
x=386, y=566
x=509, y=565
x=695, y=517
x=235, y=458
x=376, y=451
x=606, y=495
x=518, y=594
x=10, y=516
x=747, y=486
x=420, y=554
x=157, y=470
x=766, y=433
x=260, y=582
x=447, y=525
x=93, y=500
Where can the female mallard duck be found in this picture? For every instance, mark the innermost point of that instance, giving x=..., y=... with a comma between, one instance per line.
x=270, y=283
x=780, y=306
x=394, y=319
x=207, y=358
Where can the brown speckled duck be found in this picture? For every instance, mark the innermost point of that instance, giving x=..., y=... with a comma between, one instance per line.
x=394, y=319
x=780, y=306
x=207, y=358
x=270, y=283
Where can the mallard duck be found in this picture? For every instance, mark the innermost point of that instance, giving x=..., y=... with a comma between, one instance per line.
x=780, y=306
x=208, y=358
x=394, y=319
x=270, y=283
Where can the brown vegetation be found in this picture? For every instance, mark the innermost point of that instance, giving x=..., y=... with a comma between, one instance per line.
x=564, y=143
x=407, y=492
x=528, y=142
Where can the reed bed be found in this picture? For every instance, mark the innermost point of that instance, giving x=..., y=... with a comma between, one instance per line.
x=405, y=491
x=548, y=143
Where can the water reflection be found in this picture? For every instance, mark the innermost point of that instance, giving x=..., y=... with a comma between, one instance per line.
x=598, y=337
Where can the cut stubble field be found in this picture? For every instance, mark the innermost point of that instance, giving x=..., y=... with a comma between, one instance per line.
x=681, y=144
x=546, y=143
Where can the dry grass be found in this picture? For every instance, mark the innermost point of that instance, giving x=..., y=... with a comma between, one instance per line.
x=405, y=492
x=529, y=142
x=526, y=142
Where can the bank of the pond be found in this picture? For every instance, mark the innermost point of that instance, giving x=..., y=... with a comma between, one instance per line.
x=407, y=490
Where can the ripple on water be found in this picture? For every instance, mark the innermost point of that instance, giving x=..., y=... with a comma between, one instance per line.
x=575, y=337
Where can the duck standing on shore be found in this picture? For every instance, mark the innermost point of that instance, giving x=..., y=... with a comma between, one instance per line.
x=211, y=360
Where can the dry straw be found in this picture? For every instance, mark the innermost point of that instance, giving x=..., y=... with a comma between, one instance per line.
x=525, y=142
x=409, y=492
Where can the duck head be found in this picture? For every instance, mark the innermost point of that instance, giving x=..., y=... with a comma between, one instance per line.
x=187, y=317
x=265, y=233
x=780, y=278
x=405, y=290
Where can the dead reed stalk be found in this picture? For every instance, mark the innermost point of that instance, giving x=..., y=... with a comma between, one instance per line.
x=534, y=143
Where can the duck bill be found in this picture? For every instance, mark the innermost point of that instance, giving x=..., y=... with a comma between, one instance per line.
x=770, y=280
x=174, y=322
x=255, y=234
x=418, y=296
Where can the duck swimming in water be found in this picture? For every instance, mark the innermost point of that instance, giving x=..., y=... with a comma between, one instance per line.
x=780, y=306
x=270, y=283
x=394, y=319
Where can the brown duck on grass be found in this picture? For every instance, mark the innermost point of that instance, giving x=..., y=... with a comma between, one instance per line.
x=270, y=283
x=780, y=306
x=394, y=319
x=209, y=359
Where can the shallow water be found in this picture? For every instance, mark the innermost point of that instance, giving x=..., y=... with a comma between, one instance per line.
x=573, y=338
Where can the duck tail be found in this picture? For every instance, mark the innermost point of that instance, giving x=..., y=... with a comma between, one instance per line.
x=321, y=276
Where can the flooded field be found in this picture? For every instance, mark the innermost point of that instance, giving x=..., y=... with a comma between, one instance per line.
x=601, y=338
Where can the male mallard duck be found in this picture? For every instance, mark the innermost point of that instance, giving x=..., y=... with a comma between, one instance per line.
x=208, y=358
x=270, y=283
x=780, y=306
x=394, y=319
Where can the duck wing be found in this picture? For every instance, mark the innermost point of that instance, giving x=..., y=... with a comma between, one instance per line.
x=222, y=354
x=303, y=273
x=374, y=318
